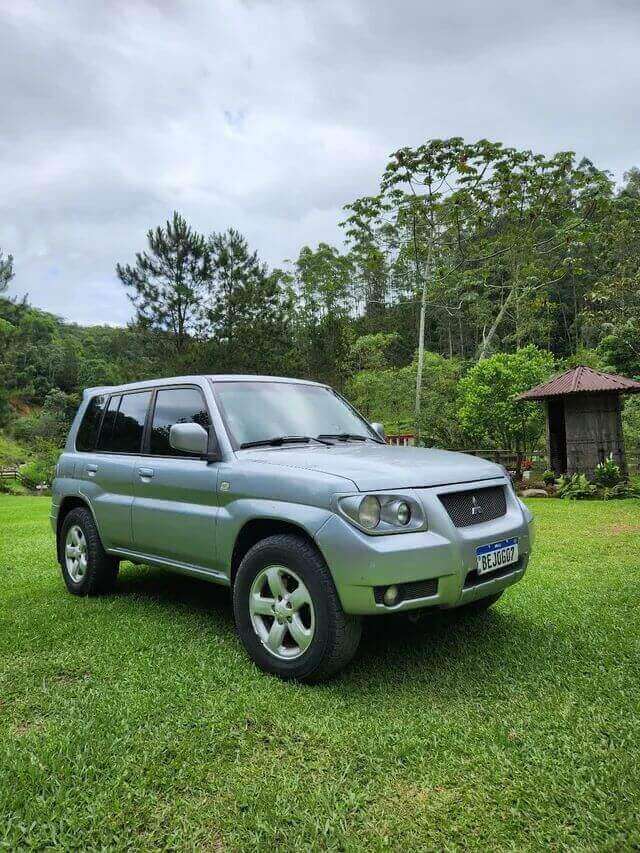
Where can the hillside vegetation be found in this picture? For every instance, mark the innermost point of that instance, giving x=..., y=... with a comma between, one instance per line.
x=475, y=271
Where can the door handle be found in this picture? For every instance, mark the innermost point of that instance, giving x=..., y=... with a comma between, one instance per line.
x=145, y=473
x=91, y=470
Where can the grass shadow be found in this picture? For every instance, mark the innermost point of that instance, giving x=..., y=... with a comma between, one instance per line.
x=173, y=591
x=451, y=652
x=455, y=653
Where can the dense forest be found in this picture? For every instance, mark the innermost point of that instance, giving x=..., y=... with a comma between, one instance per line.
x=475, y=272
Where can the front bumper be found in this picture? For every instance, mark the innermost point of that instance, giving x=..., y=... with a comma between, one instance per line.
x=359, y=563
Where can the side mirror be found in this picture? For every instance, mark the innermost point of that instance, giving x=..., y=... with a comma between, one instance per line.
x=380, y=430
x=190, y=438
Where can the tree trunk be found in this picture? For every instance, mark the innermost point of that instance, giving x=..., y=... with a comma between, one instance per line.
x=486, y=341
x=423, y=311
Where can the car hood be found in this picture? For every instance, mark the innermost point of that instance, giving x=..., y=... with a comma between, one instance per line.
x=376, y=466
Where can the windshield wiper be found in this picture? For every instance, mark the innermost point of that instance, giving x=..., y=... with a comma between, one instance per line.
x=279, y=440
x=347, y=436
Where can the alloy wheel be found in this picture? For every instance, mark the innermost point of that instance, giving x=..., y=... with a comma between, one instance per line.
x=282, y=612
x=76, y=553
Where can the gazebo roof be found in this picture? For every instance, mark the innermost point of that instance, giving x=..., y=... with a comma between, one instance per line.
x=582, y=380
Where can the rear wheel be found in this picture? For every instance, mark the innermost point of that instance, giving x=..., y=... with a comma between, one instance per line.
x=86, y=567
x=288, y=614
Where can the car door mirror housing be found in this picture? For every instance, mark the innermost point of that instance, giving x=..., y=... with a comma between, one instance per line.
x=189, y=438
x=379, y=429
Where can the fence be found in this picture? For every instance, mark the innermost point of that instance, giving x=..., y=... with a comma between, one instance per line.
x=508, y=458
x=14, y=474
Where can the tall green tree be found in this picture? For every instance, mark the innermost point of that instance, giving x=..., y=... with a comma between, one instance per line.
x=245, y=313
x=167, y=282
x=6, y=271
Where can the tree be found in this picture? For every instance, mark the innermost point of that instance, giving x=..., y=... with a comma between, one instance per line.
x=425, y=216
x=488, y=411
x=387, y=395
x=167, y=281
x=245, y=313
x=6, y=271
x=322, y=281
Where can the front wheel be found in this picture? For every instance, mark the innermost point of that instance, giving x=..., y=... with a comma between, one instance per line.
x=288, y=614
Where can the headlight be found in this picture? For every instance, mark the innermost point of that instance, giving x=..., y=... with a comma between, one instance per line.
x=383, y=513
x=369, y=512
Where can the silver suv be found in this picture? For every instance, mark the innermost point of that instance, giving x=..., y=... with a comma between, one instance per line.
x=280, y=490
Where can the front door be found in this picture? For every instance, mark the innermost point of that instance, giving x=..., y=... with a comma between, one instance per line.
x=175, y=504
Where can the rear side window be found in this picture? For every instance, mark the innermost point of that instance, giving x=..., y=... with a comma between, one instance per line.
x=104, y=443
x=123, y=423
x=175, y=406
x=88, y=432
x=129, y=425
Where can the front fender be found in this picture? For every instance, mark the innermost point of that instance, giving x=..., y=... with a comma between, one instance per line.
x=233, y=516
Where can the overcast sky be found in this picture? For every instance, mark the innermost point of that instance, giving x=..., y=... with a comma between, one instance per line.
x=269, y=115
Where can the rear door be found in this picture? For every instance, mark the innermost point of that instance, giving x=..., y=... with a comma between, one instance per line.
x=175, y=503
x=107, y=444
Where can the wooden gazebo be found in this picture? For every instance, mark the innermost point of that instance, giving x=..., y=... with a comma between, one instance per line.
x=584, y=423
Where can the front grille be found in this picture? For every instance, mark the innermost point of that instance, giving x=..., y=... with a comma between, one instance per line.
x=474, y=579
x=475, y=506
x=409, y=591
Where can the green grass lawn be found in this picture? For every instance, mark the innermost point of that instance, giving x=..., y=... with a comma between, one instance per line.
x=136, y=721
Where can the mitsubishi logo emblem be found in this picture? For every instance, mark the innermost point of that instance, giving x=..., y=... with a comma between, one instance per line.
x=476, y=509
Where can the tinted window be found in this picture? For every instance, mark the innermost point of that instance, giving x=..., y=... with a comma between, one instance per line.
x=104, y=442
x=88, y=432
x=129, y=423
x=175, y=406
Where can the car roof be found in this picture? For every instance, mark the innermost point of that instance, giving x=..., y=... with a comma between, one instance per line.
x=186, y=380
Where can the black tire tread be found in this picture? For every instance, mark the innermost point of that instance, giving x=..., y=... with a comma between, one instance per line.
x=102, y=569
x=345, y=632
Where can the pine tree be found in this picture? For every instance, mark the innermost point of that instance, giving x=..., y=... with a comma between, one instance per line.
x=246, y=304
x=168, y=280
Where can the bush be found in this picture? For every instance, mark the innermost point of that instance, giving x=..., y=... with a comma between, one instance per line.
x=41, y=467
x=621, y=490
x=607, y=473
x=548, y=477
x=575, y=488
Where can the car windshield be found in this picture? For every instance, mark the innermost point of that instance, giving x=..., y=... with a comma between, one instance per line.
x=263, y=411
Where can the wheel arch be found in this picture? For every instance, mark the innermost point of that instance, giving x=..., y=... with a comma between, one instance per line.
x=256, y=529
x=69, y=503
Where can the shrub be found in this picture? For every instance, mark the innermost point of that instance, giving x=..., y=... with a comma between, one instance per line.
x=548, y=477
x=607, y=473
x=620, y=490
x=575, y=488
x=41, y=467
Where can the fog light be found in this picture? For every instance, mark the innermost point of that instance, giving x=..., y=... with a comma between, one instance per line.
x=403, y=513
x=390, y=596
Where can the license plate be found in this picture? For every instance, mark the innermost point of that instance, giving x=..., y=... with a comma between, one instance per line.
x=496, y=555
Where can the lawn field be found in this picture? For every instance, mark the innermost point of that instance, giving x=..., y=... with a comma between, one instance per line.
x=136, y=721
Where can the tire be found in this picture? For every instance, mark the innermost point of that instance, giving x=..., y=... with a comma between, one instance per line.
x=99, y=571
x=479, y=606
x=291, y=565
